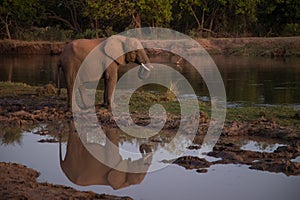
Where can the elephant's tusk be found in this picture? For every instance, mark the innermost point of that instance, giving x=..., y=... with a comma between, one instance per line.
x=145, y=67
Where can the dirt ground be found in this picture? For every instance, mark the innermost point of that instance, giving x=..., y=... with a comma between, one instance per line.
x=19, y=182
x=251, y=46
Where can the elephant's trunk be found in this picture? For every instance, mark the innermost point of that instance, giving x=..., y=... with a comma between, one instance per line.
x=144, y=71
x=145, y=68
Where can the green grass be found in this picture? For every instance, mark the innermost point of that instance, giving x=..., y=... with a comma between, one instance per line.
x=9, y=89
x=283, y=115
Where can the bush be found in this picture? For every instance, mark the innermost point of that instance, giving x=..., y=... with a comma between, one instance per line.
x=292, y=29
x=91, y=33
x=45, y=34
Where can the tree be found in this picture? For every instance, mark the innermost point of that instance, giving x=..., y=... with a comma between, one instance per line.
x=68, y=12
x=275, y=16
x=204, y=13
x=101, y=11
x=16, y=15
x=154, y=13
x=115, y=10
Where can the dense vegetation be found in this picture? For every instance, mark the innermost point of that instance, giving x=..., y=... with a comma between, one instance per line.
x=69, y=19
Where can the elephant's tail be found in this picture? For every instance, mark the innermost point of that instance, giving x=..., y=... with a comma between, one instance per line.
x=59, y=68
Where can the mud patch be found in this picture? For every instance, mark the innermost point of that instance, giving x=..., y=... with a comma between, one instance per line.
x=19, y=182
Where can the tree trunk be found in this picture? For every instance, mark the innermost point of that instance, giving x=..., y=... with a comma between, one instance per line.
x=63, y=20
x=73, y=13
x=137, y=20
x=211, y=23
x=202, y=23
x=96, y=27
x=6, y=24
x=7, y=31
x=196, y=18
x=137, y=23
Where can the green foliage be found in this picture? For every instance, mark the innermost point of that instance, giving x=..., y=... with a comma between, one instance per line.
x=46, y=34
x=11, y=136
x=69, y=19
x=156, y=12
x=90, y=33
x=18, y=14
x=292, y=29
x=277, y=17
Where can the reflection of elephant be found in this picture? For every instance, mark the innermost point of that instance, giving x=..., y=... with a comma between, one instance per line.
x=83, y=169
x=113, y=52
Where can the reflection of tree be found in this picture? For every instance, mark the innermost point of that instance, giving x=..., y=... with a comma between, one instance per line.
x=36, y=70
x=177, y=142
x=10, y=72
x=265, y=145
x=11, y=136
x=250, y=79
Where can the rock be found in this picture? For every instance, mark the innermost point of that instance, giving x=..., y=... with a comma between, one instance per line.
x=192, y=162
x=194, y=147
x=201, y=170
x=51, y=140
x=285, y=166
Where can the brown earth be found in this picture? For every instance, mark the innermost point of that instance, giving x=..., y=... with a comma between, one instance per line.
x=19, y=182
x=16, y=47
x=250, y=46
x=253, y=46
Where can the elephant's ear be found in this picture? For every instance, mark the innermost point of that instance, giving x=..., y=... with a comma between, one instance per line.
x=114, y=48
x=132, y=44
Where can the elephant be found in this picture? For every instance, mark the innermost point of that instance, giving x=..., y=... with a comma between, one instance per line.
x=111, y=54
x=83, y=169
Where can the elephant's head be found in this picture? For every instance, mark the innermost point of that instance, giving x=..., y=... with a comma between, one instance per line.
x=128, y=50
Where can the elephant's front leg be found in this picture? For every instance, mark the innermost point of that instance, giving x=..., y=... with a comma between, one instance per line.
x=110, y=81
x=87, y=102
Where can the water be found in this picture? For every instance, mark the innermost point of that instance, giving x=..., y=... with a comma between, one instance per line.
x=254, y=81
x=30, y=69
x=172, y=182
x=297, y=159
x=261, y=146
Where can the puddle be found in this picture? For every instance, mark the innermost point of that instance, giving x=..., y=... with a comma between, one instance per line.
x=261, y=146
x=297, y=159
x=220, y=182
x=234, y=105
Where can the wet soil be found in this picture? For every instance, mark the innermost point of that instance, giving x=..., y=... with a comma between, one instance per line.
x=19, y=182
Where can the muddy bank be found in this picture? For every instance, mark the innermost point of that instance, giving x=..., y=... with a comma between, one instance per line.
x=268, y=47
x=15, y=47
x=19, y=182
x=253, y=46
x=22, y=104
